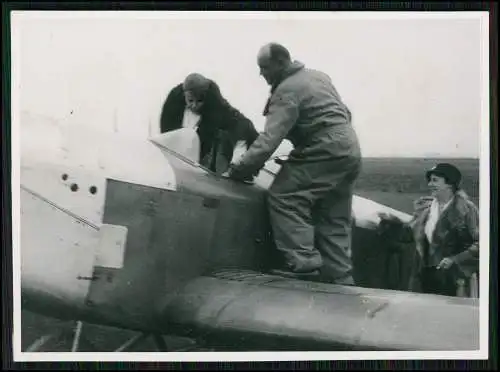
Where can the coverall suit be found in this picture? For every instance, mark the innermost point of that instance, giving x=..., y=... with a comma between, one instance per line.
x=311, y=197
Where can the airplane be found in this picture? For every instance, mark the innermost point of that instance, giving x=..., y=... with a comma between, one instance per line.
x=133, y=233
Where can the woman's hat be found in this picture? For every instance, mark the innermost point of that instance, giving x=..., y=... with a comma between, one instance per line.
x=196, y=83
x=449, y=172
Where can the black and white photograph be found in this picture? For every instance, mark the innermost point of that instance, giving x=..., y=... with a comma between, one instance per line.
x=206, y=186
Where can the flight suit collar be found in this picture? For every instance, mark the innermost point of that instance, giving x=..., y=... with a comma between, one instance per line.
x=294, y=67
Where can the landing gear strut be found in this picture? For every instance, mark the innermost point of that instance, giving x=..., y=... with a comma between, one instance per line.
x=78, y=339
x=76, y=335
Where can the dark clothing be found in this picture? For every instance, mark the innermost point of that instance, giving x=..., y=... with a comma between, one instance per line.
x=220, y=127
x=455, y=236
x=437, y=282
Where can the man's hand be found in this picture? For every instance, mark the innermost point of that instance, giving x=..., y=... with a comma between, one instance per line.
x=445, y=263
x=238, y=175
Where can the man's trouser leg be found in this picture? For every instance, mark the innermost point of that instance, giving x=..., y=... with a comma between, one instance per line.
x=333, y=235
x=290, y=202
x=333, y=187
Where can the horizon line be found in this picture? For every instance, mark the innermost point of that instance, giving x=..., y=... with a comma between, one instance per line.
x=422, y=156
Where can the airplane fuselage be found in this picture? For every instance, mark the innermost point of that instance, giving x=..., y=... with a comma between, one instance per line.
x=119, y=232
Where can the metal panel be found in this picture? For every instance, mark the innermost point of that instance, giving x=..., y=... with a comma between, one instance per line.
x=182, y=233
x=57, y=250
x=68, y=147
x=111, y=249
x=120, y=293
x=241, y=236
x=108, y=155
x=67, y=187
x=195, y=179
x=167, y=244
x=242, y=232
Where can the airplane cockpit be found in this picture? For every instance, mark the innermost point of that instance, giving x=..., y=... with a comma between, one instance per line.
x=372, y=258
x=184, y=144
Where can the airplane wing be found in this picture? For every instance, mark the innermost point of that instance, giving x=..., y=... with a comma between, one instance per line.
x=239, y=308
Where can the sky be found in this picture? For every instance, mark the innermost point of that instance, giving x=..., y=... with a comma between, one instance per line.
x=415, y=86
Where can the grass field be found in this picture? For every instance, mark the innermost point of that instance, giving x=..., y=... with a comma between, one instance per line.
x=393, y=182
x=396, y=182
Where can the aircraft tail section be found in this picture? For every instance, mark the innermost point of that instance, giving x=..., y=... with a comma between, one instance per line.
x=270, y=312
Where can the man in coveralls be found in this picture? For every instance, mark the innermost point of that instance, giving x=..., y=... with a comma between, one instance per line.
x=310, y=199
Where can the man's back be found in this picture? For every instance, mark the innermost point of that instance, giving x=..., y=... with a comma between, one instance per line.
x=323, y=128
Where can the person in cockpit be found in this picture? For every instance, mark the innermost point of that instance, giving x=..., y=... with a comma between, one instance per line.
x=198, y=103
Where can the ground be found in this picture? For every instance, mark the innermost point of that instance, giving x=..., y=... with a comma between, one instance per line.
x=395, y=182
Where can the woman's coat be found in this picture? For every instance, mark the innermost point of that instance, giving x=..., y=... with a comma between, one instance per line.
x=220, y=127
x=455, y=236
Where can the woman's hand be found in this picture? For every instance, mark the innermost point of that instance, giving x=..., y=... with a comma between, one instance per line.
x=422, y=202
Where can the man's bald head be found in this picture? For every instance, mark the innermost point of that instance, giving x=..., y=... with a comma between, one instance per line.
x=264, y=52
x=273, y=59
x=275, y=52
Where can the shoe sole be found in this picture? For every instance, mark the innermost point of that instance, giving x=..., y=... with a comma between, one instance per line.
x=313, y=274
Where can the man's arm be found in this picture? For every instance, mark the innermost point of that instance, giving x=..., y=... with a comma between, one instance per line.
x=283, y=113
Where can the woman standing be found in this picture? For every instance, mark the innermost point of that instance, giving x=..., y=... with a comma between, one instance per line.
x=445, y=230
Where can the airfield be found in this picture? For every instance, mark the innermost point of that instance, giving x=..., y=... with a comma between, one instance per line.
x=395, y=182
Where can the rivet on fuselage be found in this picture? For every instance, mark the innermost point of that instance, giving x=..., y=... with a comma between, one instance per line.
x=74, y=187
